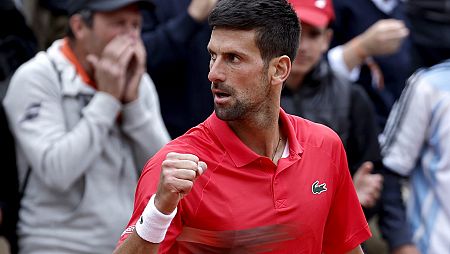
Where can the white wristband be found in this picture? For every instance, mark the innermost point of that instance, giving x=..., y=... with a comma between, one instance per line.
x=152, y=225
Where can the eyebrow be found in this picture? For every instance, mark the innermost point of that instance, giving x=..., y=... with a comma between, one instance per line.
x=231, y=51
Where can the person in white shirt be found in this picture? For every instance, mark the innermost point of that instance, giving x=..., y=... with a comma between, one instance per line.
x=416, y=143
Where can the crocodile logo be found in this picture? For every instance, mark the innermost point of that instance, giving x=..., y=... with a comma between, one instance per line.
x=318, y=188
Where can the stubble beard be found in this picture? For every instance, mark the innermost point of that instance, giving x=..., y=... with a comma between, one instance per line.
x=231, y=113
x=240, y=109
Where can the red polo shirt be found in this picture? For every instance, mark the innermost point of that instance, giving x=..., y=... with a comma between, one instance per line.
x=246, y=204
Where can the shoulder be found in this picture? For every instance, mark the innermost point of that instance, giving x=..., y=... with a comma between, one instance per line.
x=436, y=76
x=37, y=67
x=199, y=141
x=313, y=133
x=34, y=79
x=430, y=83
x=320, y=145
x=42, y=70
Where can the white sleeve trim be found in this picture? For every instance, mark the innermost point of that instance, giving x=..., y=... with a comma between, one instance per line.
x=336, y=60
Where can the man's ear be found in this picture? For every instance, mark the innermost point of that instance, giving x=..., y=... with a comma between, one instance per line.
x=280, y=67
x=78, y=26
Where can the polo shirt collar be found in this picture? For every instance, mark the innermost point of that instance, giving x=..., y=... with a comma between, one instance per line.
x=295, y=148
x=239, y=153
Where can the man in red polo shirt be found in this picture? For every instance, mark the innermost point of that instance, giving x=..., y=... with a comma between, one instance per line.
x=275, y=182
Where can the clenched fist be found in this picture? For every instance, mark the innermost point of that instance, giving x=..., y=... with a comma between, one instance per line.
x=178, y=174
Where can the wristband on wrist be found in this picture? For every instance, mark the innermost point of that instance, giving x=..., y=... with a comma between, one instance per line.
x=152, y=225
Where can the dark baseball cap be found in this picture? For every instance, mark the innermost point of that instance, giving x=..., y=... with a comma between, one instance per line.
x=75, y=6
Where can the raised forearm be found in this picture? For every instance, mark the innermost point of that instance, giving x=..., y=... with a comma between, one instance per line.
x=136, y=245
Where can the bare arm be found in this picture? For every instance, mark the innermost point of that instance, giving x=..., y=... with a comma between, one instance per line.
x=382, y=38
x=178, y=174
x=135, y=244
x=200, y=9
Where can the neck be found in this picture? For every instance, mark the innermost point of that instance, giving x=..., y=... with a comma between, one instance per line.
x=263, y=136
x=276, y=148
x=81, y=55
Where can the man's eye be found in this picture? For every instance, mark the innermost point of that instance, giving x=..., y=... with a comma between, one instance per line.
x=315, y=34
x=233, y=58
x=212, y=60
x=119, y=22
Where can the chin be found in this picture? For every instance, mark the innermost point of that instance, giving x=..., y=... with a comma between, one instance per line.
x=227, y=114
x=305, y=69
x=222, y=114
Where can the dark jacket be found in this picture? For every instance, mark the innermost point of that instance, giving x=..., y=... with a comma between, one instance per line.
x=344, y=107
x=178, y=62
x=17, y=45
x=430, y=33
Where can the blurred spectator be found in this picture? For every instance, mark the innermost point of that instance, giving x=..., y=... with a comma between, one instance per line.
x=85, y=117
x=315, y=92
x=47, y=18
x=9, y=187
x=387, y=60
x=17, y=45
x=175, y=35
x=416, y=143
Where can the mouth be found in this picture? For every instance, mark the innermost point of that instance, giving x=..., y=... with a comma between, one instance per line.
x=301, y=60
x=220, y=97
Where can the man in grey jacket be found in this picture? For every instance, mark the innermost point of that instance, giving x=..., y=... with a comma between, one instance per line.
x=85, y=117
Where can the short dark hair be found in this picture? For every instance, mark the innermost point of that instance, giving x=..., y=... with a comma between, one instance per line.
x=276, y=24
x=88, y=18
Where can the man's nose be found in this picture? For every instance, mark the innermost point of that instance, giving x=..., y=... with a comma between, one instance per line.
x=135, y=33
x=132, y=31
x=216, y=71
